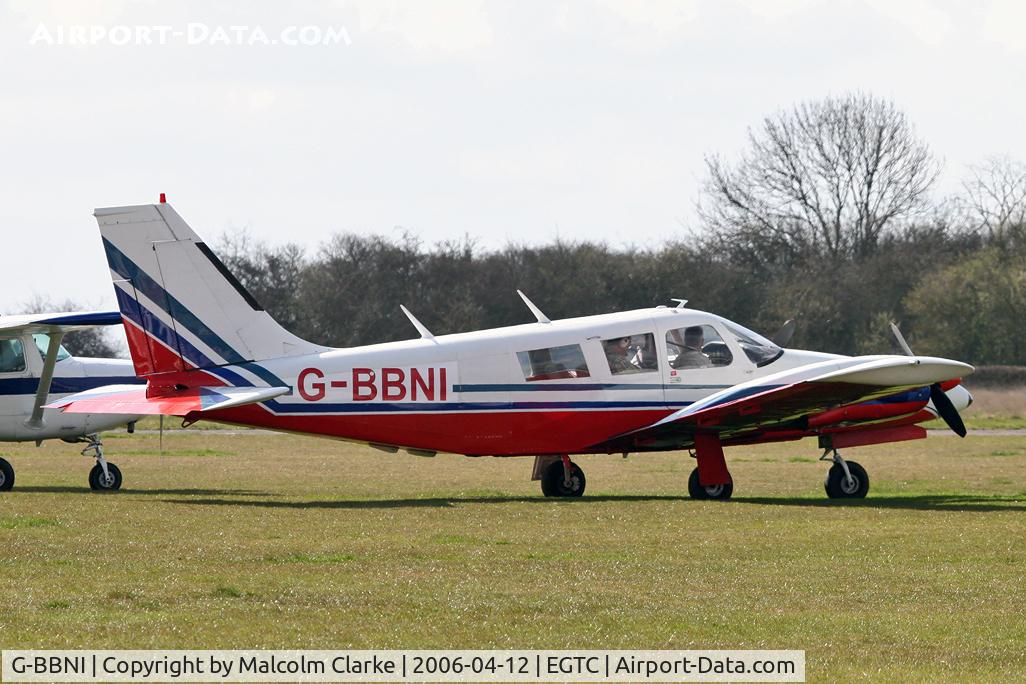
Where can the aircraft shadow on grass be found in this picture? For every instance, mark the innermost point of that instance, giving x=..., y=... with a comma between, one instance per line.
x=969, y=503
x=65, y=489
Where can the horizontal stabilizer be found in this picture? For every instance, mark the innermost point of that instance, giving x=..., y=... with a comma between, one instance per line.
x=58, y=322
x=133, y=399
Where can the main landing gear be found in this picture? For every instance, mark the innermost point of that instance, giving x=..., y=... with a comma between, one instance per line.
x=845, y=479
x=711, y=479
x=563, y=477
x=104, y=476
x=719, y=492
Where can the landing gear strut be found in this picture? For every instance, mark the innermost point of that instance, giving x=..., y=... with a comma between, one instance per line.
x=104, y=476
x=712, y=470
x=845, y=479
x=563, y=478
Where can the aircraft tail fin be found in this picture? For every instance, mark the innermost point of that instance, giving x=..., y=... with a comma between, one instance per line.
x=181, y=306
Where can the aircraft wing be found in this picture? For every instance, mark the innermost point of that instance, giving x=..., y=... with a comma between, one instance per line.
x=58, y=322
x=133, y=399
x=789, y=398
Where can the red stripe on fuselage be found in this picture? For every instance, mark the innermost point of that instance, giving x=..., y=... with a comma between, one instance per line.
x=473, y=433
x=503, y=433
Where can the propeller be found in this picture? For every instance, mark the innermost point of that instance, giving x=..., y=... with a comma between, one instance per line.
x=784, y=335
x=945, y=409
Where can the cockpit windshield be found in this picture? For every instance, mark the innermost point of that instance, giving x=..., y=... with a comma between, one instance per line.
x=757, y=348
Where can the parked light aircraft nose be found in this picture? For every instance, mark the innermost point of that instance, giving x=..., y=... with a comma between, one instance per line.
x=655, y=379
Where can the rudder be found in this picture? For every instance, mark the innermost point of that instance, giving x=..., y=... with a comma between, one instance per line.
x=181, y=306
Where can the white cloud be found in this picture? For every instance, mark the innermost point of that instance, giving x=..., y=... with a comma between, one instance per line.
x=250, y=99
x=1005, y=24
x=925, y=20
x=777, y=8
x=72, y=11
x=447, y=26
x=658, y=16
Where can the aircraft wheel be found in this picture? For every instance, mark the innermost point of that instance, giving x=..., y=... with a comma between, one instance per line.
x=99, y=483
x=6, y=475
x=552, y=480
x=838, y=487
x=720, y=492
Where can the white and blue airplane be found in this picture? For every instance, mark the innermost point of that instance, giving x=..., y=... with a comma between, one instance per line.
x=36, y=368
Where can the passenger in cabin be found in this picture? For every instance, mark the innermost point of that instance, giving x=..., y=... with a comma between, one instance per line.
x=691, y=355
x=618, y=356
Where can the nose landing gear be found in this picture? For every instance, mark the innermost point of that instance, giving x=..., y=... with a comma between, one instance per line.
x=104, y=476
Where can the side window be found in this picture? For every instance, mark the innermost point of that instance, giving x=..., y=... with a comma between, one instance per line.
x=631, y=354
x=553, y=363
x=12, y=356
x=43, y=344
x=697, y=346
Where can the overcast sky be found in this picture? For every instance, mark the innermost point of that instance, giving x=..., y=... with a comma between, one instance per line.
x=502, y=121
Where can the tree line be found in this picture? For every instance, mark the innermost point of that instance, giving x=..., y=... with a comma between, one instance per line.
x=829, y=217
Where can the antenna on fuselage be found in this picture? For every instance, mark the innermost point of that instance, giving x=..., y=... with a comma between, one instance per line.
x=681, y=303
x=425, y=334
x=542, y=318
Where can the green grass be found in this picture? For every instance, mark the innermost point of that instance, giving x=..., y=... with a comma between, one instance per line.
x=978, y=422
x=18, y=521
x=287, y=542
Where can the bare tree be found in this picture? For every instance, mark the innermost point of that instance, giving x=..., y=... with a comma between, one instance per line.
x=826, y=177
x=994, y=199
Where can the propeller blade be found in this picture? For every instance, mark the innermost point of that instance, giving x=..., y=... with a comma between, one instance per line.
x=946, y=410
x=901, y=339
x=784, y=335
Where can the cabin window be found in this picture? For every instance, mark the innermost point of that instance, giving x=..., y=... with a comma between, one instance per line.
x=12, y=356
x=43, y=343
x=697, y=346
x=553, y=363
x=757, y=348
x=631, y=354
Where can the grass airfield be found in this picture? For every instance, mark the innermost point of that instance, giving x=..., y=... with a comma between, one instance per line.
x=270, y=541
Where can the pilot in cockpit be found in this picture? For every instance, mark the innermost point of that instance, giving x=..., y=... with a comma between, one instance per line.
x=691, y=355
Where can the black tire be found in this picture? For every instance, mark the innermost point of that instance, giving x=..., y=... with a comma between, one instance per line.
x=838, y=487
x=6, y=475
x=97, y=482
x=715, y=492
x=553, y=485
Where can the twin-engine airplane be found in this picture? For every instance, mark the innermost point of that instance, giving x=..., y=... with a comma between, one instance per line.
x=659, y=379
x=35, y=366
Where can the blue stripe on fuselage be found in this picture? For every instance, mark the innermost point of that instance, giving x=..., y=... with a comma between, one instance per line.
x=28, y=386
x=381, y=407
x=579, y=387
